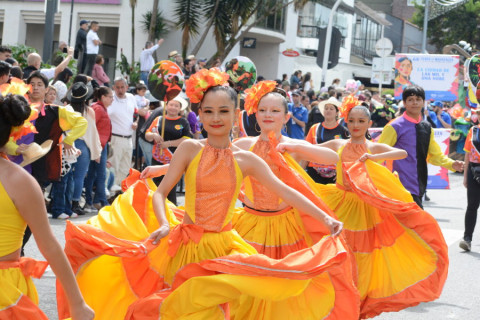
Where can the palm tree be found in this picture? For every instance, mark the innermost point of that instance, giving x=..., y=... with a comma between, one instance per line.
x=188, y=14
x=153, y=22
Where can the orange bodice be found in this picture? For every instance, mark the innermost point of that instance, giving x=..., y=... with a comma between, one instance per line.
x=262, y=197
x=213, y=181
x=348, y=155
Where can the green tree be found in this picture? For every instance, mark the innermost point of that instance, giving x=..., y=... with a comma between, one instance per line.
x=230, y=20
x=152, y=30
x=453, y=26
x=160, y=25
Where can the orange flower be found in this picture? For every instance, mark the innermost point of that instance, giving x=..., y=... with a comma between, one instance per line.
x=255, y=93
x=348, y=104
x=16, y=86
x=202, y=80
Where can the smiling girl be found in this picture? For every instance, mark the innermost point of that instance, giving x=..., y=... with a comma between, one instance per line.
x=400, y=252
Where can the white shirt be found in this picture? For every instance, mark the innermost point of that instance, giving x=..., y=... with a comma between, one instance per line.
x=121, y=114
x=141, y=101
x=146, y=59
x=49, y=73
x=92, y=48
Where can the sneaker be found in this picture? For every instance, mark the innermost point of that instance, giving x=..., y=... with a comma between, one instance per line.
x=98, y=206
x=107, y=193
x=115, y=188
x=466, y=245
x=74, y=215
x=88, y=208
x=63, y=216
x=77, y=209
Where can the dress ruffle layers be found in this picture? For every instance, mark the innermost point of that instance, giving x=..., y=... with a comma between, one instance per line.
x=280, y=233
x=200, y=270
x=400, y=251
x=18, y=296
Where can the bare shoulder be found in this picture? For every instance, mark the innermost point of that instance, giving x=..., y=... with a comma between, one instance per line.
x=16, y=181
x=245, y=143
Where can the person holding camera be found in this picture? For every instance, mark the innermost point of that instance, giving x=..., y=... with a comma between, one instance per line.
x=471, y=181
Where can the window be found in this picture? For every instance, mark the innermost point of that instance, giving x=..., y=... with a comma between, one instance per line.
x=275, y=21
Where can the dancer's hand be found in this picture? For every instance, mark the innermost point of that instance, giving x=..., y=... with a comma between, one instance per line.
x=160, y=233
x=366, y=156
x=82, y=312
x=334, y=226
x=154, y=171
x=285, y=147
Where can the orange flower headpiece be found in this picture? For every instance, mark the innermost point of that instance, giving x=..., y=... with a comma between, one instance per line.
x=256, y=92
x=202, y=80
x=348, y=104
x=17, y=86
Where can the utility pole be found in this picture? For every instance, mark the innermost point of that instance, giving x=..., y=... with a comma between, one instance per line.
x=425, y=26
x=51, y=8
x=70, y=27
x=326, y=52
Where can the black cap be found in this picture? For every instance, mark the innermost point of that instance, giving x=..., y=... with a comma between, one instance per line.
x=83, y=22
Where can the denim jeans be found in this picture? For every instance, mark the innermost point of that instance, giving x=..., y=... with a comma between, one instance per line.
x=80, y=169
x=61, y=195
x=144, y=77
x=96, y=176
x=147, y=151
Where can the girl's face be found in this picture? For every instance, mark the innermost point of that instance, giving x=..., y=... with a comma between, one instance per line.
x=217, y=113
x=173, y=108
x=142, y=92
x=50, y=96
x=405, y=68
x=330, y=112
x=271, y=115
x=107, y=99
x=358, y=123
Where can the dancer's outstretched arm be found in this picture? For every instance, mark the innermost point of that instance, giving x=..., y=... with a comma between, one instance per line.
x=180, y=161
x=154, y=171
x=309, y=152
x=254, y=166
x=382, y=152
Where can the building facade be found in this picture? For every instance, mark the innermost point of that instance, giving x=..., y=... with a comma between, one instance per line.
x=22, y=22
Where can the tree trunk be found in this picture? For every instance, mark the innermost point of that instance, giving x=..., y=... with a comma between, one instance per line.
x=133, y=34
x=207, y=28
x=153, y=22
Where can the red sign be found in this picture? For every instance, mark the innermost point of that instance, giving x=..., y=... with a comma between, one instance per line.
x=290, y=53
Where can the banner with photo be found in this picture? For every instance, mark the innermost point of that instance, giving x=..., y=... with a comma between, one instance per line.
x=437, y=176
x=437, y=74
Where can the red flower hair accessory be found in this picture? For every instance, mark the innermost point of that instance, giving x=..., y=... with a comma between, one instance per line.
x=348, y=104
x=202, y=80
x=256, y=92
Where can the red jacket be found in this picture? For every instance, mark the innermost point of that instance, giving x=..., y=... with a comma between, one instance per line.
x=102, y=120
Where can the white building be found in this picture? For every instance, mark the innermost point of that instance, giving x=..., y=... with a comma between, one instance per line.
x=22, y=22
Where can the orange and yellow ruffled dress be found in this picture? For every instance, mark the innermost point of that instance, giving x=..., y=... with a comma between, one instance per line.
x=200, y=269
x=401, y=255
x=18, y=296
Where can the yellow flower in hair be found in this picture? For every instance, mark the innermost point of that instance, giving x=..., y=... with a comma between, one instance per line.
x=202, y=80
x=256, y=92
x=348, y=104
x=16, y=86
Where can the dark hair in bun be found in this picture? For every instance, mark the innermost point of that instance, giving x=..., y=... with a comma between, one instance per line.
x=14, y=110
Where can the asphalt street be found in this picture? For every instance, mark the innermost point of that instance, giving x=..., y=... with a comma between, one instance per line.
x=461, y=295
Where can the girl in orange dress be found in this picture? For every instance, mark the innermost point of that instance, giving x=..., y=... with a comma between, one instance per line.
x=399, y=249
x=269, y=224
x=22, y=203
x=199, y=267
